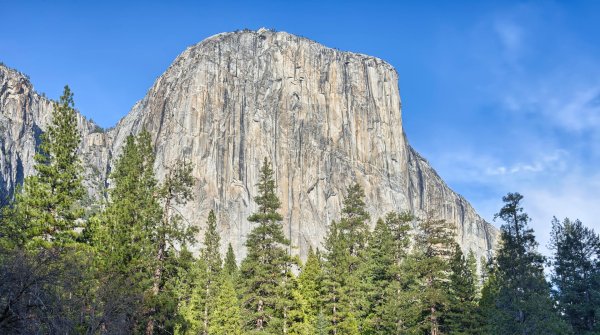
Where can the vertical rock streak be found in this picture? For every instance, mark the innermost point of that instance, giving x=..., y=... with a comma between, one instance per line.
x=325, y=118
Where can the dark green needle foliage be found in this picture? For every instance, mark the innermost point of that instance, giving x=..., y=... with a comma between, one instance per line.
x=230, y=264
x=426, y=296
x=346, y=303
x=132, y=270
x=226, y=316
x=46, y=210
x=521, y=301
x=265, y=269
x=463, y=316
x=379, y=270
x=576, y=274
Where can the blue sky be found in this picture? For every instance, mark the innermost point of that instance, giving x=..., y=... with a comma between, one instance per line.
x=498, y=97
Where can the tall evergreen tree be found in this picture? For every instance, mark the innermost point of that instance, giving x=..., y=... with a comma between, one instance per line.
x=212, y=258
x=46, y=210
x=309, y=285
x=379, y=272
x=428, y=269
x=299, y=312
x=226, y=317
x=344, y=246
x=334, y=273
x=463, y=317
x=139, y=233
x=197, y=309
x=126, y=234
x=521, y=302
x=266, y=267
x=191, y=306
x=170, y=232
x=576, y=274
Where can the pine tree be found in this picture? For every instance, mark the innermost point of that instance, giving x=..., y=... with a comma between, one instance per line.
x=521, y=303
x=230, y=265
x=321, y=324
x=576, y=274
x=426, y=295
x=132, y=211
x=212, y=258
x=299, y=313
x=139, y=233
x=191, y=306
x=226, y=317
x=265, y=269
x=399, y=226
x=344, y=246
x=389, y=311
x=46, y=210
x=309, y=285
x=126, y=236
x=334, y=275
x=379, y=270
x=175, y=191
x=462, y=317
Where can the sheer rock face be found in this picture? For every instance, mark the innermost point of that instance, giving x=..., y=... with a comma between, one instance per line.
x=325, y=118
x=24, y=115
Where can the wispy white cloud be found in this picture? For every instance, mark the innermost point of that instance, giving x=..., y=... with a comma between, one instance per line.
x=552, y=161
x=537, y=99
x=574, y=195
x=572, y=105
x=554, y=184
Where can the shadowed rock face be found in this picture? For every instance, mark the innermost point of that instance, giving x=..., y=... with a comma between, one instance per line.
x=325, y=118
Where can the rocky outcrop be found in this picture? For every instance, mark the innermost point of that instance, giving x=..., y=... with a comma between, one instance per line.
x=24, y=115
x=324, y=117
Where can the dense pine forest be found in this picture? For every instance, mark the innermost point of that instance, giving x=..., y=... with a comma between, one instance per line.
x=124, y=266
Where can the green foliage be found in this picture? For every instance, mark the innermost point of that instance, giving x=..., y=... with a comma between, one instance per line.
x=520, y=302
x=192, y=294
x=265, y=270
x=344, y=252
x=310, y=286
x=427, y=275
x=305, y=299
x=230, y=265
x=132, y=214
x=212, y=243
x=380, y=270
x=207, y=283
x=138, y=233
x=46, y=210
x=130, y=271
x=576, y=274
x=226, y=317
x=463, y=316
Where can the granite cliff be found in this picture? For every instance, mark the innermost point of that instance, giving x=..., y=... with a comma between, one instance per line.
x=324, y=117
